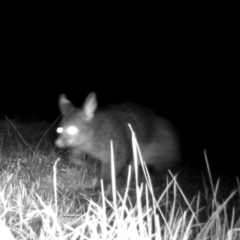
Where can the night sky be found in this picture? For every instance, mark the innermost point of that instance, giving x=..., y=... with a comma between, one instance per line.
x=188, y=78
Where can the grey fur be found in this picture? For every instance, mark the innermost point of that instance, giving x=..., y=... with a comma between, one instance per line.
x=96, y=128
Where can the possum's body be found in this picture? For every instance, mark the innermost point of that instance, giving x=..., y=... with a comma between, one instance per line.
x=88, y=130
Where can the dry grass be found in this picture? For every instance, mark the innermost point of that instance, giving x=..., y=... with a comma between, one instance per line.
x=43, y=198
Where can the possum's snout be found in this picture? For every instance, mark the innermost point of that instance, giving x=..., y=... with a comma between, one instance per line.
x=60, y=143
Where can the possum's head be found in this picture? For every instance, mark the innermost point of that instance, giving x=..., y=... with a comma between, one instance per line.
x=76, y=124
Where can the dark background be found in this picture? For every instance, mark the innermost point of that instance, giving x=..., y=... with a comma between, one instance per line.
x=183, y=68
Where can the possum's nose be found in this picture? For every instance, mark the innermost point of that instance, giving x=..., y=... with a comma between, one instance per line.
x=60, y=143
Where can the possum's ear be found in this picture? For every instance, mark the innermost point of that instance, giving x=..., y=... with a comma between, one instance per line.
x=65, y=105
x=90, y=106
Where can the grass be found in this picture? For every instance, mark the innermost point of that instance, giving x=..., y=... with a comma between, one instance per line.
x=42, y=197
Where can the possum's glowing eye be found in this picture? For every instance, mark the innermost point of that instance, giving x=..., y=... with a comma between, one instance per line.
x=59, y=130
x=72, y=130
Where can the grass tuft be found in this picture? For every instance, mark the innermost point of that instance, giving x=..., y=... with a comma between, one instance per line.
x=42, y=197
